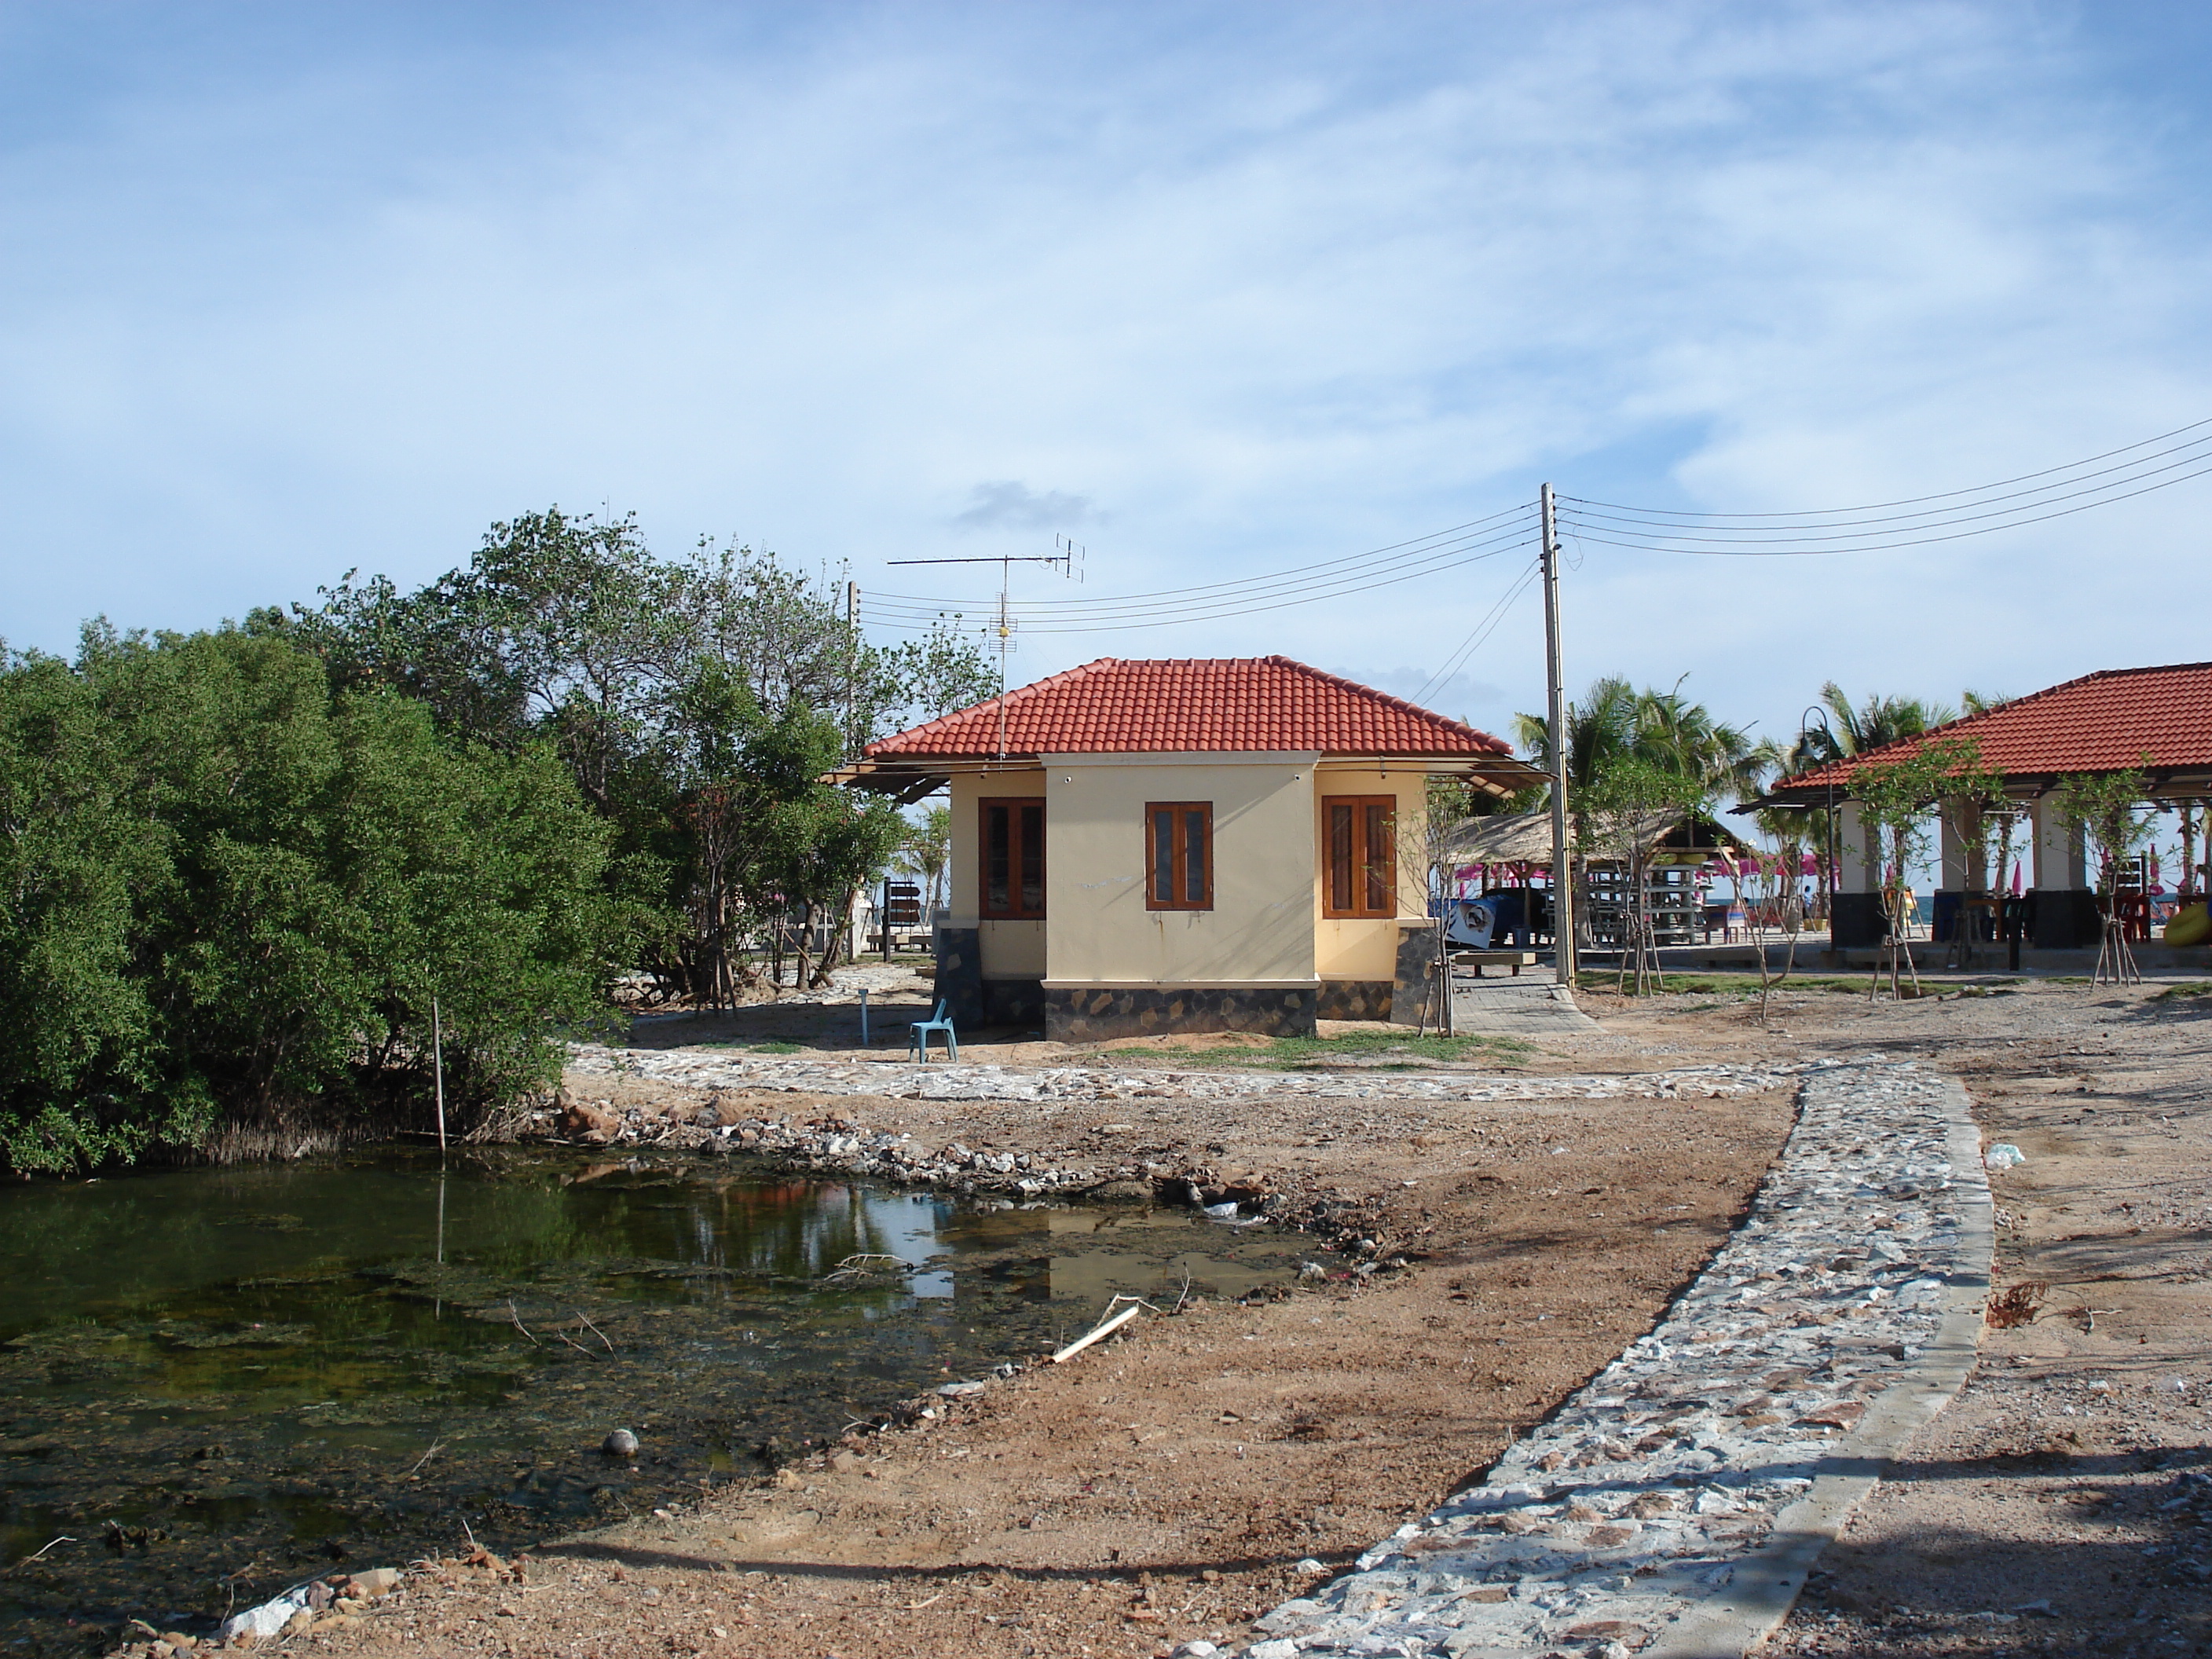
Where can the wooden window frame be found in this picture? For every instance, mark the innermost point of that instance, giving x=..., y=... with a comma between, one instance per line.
x=1016, y=848
x=1361, y=867
x=1178, y=855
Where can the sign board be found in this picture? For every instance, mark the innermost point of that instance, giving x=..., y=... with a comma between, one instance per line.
x=902, y=905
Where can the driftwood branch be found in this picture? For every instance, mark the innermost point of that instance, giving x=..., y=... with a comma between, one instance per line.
x=1105, y=1327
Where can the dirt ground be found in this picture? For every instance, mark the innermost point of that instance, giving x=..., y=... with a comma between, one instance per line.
x=1169, y=1486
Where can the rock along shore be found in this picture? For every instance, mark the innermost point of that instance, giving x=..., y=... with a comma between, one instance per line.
x=734, y=1113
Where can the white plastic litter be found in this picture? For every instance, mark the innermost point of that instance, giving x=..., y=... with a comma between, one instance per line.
x=2003, y=1155
x=267, y=1620
x=1222, y=1211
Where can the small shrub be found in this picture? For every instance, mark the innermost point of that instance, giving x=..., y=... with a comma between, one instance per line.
x=2016, y=1304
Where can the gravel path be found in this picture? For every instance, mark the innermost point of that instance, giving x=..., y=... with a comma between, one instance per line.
x=1674, y=1504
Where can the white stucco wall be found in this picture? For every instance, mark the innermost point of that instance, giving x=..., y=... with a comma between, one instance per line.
x=1363, y=947
x=1260, y=931
x=1011, y=950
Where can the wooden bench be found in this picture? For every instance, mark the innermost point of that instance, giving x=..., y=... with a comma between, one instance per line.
x=1478, y=960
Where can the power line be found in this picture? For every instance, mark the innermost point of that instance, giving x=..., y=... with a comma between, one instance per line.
x=1482, y=630
x=1260, y=594
x=1223, y=597
x=1587, y=532
x=1980, y=511
x=1913, y=501
x=1419, y=543
x=2031, y=499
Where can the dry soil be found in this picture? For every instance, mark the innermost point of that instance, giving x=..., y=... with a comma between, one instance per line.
x=1171, y=1486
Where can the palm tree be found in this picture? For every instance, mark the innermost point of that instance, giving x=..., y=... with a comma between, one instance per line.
x=1878, y=720
x=926, y=850
x=1684, y=738
x=1615, y=720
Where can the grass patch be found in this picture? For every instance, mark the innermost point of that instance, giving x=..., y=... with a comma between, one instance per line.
x=1709, y=985
x=2175, y=993
x=1370, y=1050
x=777, y=1046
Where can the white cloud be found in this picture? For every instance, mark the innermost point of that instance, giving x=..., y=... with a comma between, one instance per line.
x=1011, y=504
x=1278, y=282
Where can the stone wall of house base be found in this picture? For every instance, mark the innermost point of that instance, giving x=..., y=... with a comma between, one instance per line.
x=2064, y=919
x=1013, y=1002
x=1096, y=1015
x=960, y=974
x=1855, y=919
x=1417, y=973
x=1354, y=999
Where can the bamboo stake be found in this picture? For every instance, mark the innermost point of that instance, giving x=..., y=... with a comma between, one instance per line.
x=438, y=1066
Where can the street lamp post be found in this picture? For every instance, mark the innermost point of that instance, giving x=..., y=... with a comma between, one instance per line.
x=1829, y=733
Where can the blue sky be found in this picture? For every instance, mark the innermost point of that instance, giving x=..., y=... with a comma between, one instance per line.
x=1216, y=290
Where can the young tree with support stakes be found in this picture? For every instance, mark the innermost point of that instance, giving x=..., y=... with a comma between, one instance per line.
x=2108, y=809
x=1622, y=807
x=1894, y=799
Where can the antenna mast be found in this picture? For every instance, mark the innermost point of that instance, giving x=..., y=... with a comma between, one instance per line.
x=1067, y=555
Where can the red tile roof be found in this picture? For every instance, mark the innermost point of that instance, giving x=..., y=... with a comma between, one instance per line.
x=1187, y=704
x=2104, y=722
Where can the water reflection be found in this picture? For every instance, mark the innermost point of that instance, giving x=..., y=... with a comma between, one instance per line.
x=251, y=1366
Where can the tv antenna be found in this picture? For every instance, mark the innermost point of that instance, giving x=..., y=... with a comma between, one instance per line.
x=1067, y=555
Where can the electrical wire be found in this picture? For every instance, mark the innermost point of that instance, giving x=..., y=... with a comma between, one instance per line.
x=1456, y=533
x=1907, y=522
x=1360, y=583
x=1913, y=501
x=1739, y=550
x=2155, y=463
x=1481, y=631
x=1221, y=598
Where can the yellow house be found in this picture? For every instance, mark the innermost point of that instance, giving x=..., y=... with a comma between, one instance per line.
x=1188, y=845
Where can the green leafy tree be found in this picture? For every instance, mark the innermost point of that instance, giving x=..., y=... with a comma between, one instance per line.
x=677, y=692
x=233, y=894
x=1628, y=807
x=1614, y=727
x=1895, y=798
x=2111, y=811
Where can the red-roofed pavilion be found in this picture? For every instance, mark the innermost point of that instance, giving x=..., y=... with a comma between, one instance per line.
x=2155, y=721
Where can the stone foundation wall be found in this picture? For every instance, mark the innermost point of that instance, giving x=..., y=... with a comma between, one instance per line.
x=960, y=974
x=2064, y=919
x=1354, y=999
x=1013, y=1002
x=1098, y=1015
x=1417, y=972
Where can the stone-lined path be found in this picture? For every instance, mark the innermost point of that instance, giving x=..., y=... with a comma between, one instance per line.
x=939, y=1081
x=1674, y=1505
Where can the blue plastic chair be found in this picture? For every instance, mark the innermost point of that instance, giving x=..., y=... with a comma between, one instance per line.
x=918, y=1043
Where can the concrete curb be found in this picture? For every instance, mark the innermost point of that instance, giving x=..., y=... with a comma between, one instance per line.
x=1767, y=1582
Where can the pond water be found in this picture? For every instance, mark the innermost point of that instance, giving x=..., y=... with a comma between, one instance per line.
x=217, y=1382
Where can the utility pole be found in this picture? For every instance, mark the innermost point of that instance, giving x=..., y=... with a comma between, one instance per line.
x=1555, y=717
x=852, y=667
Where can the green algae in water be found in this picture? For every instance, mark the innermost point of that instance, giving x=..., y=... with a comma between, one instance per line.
x=250, y=1401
